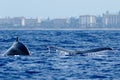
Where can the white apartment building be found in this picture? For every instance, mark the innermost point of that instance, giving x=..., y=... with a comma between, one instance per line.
x=87, y=20
x=111, y=19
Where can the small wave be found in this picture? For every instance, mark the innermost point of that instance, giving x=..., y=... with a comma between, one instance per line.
x=98, y=77
x=32, y=72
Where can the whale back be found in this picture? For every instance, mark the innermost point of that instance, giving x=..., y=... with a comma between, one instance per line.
x=17, y=48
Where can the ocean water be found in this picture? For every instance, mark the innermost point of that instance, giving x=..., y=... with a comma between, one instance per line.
x=45, y=64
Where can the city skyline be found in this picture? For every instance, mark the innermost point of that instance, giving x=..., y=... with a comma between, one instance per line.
x=106, y=20
x=55, y=8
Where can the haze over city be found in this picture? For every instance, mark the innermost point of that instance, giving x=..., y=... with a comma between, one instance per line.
x=56, y=8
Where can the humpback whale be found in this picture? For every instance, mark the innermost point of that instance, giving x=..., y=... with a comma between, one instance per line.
x=17, y=48
x=81, y=52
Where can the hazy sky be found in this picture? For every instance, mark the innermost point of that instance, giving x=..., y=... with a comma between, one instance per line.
x=56, y=8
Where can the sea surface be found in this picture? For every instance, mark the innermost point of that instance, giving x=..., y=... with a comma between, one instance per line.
x=50, y=64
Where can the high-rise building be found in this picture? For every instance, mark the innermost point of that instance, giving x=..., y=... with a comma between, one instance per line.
x=23, y=22
x=110, y=19
x=39, y=20
x=31, y=22
x=87, y=20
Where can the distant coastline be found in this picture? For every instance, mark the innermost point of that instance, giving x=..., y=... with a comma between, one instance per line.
x=106, y=21
x=20, y=28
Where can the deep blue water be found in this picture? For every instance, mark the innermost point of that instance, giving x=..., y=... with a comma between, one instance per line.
x=45, y=65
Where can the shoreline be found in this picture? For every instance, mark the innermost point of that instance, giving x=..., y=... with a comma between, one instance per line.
x=59, y=29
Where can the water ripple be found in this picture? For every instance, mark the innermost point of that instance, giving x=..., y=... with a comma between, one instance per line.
x=45, y=65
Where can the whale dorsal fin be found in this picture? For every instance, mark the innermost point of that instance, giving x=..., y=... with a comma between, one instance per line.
x=16, y=39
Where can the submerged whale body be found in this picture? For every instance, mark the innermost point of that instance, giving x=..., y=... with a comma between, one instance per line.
x=81, y=52
x=94, y=50
x=17, y=48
